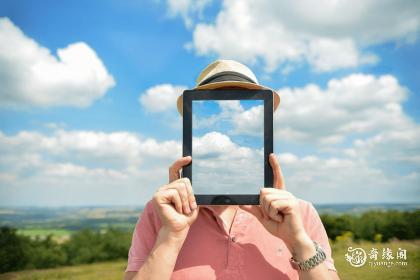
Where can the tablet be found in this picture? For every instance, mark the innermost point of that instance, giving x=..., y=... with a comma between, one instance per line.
x=229, y=135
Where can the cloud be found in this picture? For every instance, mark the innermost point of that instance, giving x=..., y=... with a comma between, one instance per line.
x=226, y=110
x=355, y=105
x=119, y=168
x=187, y=9
x=31, y=76
x=390, y=148
x=220, y=165
x=328, y=35
x=161, y=98
x=119, y=150
x=89, y=167
x=346, y=180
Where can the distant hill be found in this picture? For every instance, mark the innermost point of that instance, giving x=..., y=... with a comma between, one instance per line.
x=358, y=208
x=70, y=218
x=75, y=218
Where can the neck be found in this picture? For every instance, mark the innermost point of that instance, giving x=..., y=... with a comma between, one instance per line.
x=222, y=208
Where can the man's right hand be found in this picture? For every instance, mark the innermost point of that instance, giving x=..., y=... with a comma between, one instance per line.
x=175, y=203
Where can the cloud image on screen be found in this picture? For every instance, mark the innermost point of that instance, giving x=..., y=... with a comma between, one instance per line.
x=227, y=146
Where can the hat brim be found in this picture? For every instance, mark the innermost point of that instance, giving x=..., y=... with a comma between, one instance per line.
x=216, y=85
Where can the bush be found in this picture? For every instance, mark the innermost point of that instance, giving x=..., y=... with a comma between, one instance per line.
x=85, y=246
x=44, y=253
x=377, y=226
x=12, y=253
x=89, y=246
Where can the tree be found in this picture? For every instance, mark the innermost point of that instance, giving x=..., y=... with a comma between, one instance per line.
x=12, y=254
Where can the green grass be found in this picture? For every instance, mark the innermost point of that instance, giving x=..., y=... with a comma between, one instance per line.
x=366, y=272
x=115, y=270
x=103, y=271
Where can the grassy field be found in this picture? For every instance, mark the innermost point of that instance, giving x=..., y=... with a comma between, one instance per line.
x=103, y=271
x=366, y=272
x=114, y=270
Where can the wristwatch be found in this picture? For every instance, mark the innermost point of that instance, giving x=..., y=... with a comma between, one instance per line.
x=310, y=263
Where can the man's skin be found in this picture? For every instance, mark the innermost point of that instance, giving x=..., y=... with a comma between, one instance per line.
x=175, y=204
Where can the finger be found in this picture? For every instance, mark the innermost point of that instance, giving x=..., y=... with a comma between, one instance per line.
x=274, y=210
x=265, y=205
x=278, y=192
x=267, y=199
x=254, y=210
x=176, y=167
x=278, y=175
x=190, y=193
x=172, y=196
x=261, y=206
x=182, y=189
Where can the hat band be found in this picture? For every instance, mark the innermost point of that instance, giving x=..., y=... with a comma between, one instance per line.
x=226, y=76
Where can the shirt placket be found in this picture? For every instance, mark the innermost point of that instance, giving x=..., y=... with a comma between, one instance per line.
x=234, y=258
x=234, y=249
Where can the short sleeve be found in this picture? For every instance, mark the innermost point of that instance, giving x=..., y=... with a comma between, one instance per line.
x=144, y=237
x=317, y=232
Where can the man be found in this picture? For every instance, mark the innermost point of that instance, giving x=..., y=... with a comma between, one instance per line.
x=282, y=238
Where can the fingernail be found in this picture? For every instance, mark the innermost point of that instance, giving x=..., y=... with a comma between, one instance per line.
x=194, y=205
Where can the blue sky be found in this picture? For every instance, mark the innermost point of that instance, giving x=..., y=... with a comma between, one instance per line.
x=348, y=125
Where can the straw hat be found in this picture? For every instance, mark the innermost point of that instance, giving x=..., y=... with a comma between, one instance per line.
x=228, y=73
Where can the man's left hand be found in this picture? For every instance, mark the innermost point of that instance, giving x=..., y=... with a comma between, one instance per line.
x=279, y=211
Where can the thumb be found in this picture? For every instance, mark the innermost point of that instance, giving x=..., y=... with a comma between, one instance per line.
x=253, y=209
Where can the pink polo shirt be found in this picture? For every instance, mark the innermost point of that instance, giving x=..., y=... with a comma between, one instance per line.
x=210, y=251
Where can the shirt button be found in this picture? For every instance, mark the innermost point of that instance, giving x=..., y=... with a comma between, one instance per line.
x=233, y=238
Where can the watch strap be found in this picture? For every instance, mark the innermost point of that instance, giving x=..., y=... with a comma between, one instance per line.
x=310, y=263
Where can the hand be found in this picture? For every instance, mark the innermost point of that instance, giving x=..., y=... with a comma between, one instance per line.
x=279, y=211
x=175, y=202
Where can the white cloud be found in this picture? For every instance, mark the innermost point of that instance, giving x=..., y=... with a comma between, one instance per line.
x=228, y=109
x=187, y=9
x=161, y=97
x=326, y=54
x=115, y=150
x=220, y=165
x=250, y=122
x=31, y=76
x=390, y=147
x=87, y=166
x=346, y=180
x=327, y=34
x=354, y=105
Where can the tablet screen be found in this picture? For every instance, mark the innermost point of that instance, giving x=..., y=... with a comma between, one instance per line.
x=227, y=146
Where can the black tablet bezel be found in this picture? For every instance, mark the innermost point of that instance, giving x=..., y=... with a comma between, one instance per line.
x=228, y=94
